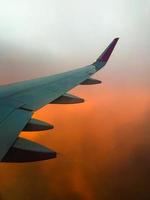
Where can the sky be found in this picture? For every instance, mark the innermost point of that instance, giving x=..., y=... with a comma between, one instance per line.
x=104, y=143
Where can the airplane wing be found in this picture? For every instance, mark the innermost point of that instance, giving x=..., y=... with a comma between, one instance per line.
x=19, y=101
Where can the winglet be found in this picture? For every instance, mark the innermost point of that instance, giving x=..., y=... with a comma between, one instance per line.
x=104, y=57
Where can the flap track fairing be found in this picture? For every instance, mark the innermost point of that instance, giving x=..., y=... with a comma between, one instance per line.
x=37, y=125
x=91, y=81
x=68, y=99
x=27, y=151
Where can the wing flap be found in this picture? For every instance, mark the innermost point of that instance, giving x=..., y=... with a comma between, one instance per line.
x=6, y=107
x=11, y=127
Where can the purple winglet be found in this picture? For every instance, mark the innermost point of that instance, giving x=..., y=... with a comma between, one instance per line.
x=106, y=54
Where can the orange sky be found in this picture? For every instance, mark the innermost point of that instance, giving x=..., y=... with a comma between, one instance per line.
x=104, y=143
x=101, y=144
x=96, y=141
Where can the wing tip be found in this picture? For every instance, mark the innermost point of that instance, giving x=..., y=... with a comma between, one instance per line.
x=117, y=38
x=104, y=57
x=108, y=51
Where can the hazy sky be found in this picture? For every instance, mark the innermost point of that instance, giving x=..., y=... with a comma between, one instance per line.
x=104, y=143
x=71, y=33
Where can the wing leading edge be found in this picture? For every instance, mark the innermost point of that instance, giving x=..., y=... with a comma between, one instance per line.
x=31, y=95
